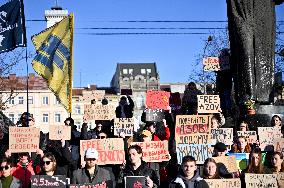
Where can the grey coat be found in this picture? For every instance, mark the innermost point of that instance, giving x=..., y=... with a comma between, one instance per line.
x=82, y=176
x=16, y=183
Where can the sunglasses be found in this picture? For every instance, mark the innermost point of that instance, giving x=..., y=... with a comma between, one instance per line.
x=4, y=168
x=46, y=162
x=102, y=137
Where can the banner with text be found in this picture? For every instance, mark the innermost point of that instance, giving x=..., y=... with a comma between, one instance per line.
x=59, y=132
x=261, y=180
x=251, y=136
x=104, y=112
x=157, y=99
x=125, y=125
x=23, y=139
x=208, y=104
x=105, y=184
x=224, y=135
x=199, y=151
x=266, y=137
x=224, y=183
x=45, y=181
x=90, y=95
x=89, y=112
x=154, y=115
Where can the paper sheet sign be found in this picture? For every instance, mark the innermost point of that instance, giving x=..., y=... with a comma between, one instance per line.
x=89, y=112
x=59, y=132
x=199, y=151
x=211, y=64
x=267, y=136
x=94, y=94
x=224, y=183
x=104, y=112
x=111, y=150
x=251, y=136
x=125, y=125
x=23, y=139
x=261, y=180
x=229, y=162
x=154, y=151
x=224, y=135
x=157, y=99
x=208, y=103
x=154, y=115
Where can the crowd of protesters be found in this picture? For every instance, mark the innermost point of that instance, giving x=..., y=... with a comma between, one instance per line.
x=63, y=157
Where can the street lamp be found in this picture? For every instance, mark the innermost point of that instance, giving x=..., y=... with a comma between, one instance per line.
x=210, y=38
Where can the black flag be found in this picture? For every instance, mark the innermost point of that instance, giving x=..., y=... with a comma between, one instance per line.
x=12, y=26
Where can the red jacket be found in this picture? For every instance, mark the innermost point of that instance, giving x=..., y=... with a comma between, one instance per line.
x=166, y=137
x=24, y=174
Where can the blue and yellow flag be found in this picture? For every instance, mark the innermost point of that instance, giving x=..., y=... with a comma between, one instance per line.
x=54, y=59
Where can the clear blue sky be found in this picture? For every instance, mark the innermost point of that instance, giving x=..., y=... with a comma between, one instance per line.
x=95, y=56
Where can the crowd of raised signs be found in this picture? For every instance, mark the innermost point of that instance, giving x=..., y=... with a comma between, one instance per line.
x=180, y=146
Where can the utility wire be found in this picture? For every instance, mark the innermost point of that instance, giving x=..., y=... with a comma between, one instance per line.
x=146, y=33
x=150, y=28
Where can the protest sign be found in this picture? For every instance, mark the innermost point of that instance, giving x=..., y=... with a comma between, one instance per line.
x=94, y=94
x=125, y=125
x=224, y=183
x=105, y=184
x=280, y=179
x=135, y=182
x=59, y=132
x=157, y=99
x=154, y=151
x=224, y=135
x=261, y=180
x=199, y=151
x=208, y=103
x=48, y=181
x=104, y=112
x=211, y=64
x=279, y=145
x=192, y=129
x=251, y=136
x=154, y=115
x=23, y=139
x=229, y=162
x=89, y=112
x=111, y=150
x=126, y=91
x=241, y=159
x=267, y=136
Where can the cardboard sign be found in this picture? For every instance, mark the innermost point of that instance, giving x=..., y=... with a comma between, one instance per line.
x=157, y=99
x=267, y=136
x=224, y=183
x=104, y=112
x=224, y=135
x=251, y=136
x=125, y=125
x=208, y=104
x=135, y=182
x=48, y=181
x=154, y=115
x=59, y=132
x=211, y=64
x=23, y=139
x=199, y=151
x=111, y=150
x=280, y=179
x=89, y=111
x=261, y=180
x=106, y=184
x=241, y=159
x=192, y=129
x=229, y=162
x=95, y=94
x=154, y=151
x=279, y=145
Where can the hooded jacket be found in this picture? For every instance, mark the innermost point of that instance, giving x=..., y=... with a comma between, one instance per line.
x=182, y=182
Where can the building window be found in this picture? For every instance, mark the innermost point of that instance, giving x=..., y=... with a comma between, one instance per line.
x=149, y=71
x=45, y=100
x=143, y=71
x=45, y=118
x=77, y=110
x=21, y=100
x=12, y=117
x=31, y=100
x=57, y=118
x=11, y=101
x=56, y=101
x=19, y=117
x=125, y=71
x=130, y=71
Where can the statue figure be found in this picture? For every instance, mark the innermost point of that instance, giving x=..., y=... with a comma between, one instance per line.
x=252, y=29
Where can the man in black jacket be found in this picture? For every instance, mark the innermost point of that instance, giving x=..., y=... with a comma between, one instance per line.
x=125, y=110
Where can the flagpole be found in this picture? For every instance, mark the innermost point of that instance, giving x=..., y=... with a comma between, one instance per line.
x=27, y=118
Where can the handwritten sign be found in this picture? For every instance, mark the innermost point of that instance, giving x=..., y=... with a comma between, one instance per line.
x=199, y=151
x=208, y=103
x=211, y=64
x=59, y=132
x=251, y=136
x=135, y=181
x=157, y=99
x=279, y=145
x=94, y=94
x=154, y=115
x=111, y=150
x=125, y=125
x=241, y=159
x=106, y=184
x=261, y=180
x=48, y=181
x=23, y=139
x=224, y=135
x=267, y=136
x=280, y=179
x=89, y=111
x=229, y=162
x=104, y=112
x=154, y=151
x=224, y=183
x=192, y=129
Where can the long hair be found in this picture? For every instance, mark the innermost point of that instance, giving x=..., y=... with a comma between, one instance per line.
x=51, y=157
x=272, y=120
x=205, y=173
x=281, y=157
x=237, y=149
x=255, y=168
